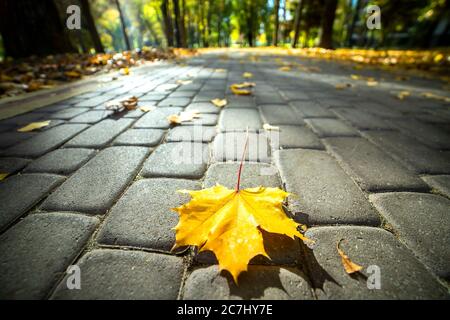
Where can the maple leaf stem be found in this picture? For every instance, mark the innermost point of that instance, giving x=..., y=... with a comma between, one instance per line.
x=242, y=163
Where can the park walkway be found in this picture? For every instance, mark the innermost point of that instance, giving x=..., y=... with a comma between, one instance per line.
x=95, y=189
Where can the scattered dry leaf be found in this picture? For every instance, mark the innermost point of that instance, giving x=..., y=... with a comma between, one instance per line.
x=430, y=95
x=124, y=71
x=121, y=105
x=403, y=94
x=72, y=74
x=269, y=127
x=34, y=126
x=220, y=70
x=184, y=116
x=372, y=83
x=184, y=82
x=341, y=86
x=220, y=103
x=3, y=175
x=349, y=266
x=238, y=88
x=147, y=109
x=247, y=75
x=285, y=68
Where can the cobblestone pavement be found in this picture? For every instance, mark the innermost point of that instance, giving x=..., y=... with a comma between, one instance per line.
x=95, y=189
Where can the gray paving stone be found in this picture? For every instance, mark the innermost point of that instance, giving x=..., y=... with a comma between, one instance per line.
x=229, y=146
x=205, y=119
x=177, y=159
x=268, y=98
x=439, y=183
x=239, y=120
x=422, y=223
x=67, y=113
x=429, y=134
x=93, y=116
x=252, y=175
x=125, y=275
x=289, y=137
x=331, y=128
x=182, y=94
x=140, y=137
x=241, y=102
x=259, y=282
x=156, y=119
x=26, y=118
x=11, y=138
x=192, y=133
x=95, y=101
x=100, y=134
x=174, y=102
x=20, y=193
x=61, y=161
x=99, y=188
x=371, y=168
x=309, y=109
x=36, y=252
x=280, y=114
x=12, y=165
x=206, y=96
x=362, y=119
x=45, y=141
x=401, y=275
x=294, y=95
x=153, y=96
x=326, y=195
x=203, y=107
x=143, y=217
x=410, y=152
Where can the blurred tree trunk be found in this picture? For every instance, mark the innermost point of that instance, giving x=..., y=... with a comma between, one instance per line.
x=30, y=29
x=86, y=10
x=176, y=11
x=298, y=19
x=124, y=29
x=352, y=26
x=208, y=21
x=329, y=13
x=184, y=42
x=277, y=22
x=168, y=26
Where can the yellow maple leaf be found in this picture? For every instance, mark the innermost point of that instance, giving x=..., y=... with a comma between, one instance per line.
x=247, y=75
x=124, y=71
x=34, y=126
x=228, y=222
x=285, y=68
x=239, y=88
x=147, y=109
x=220, y=103
x=184, y=116
x=349, y=266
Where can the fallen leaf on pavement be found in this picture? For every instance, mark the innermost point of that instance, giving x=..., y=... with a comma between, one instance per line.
x=121, y=105
x=435, y=96
x=238, y=88
x=247, y=75
x=72, y=74
x=34, y=126
x=372, y=83
x=184, y=116
x=124, y=71
x=341, y=86
x=3, y=175
x=147, y=109
x=349, y=266
x=403, y=94
x=184, y=82
x=220, y=70
x=285, y=68
x=220, y=103
x=269, y=127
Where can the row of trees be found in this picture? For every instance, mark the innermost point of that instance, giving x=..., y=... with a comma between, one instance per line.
x=29, y=27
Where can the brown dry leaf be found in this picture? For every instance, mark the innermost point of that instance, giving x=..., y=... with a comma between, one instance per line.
x=130, y=103
x=184, y=82
x=124, y=71
x=247, y=75
x=285, y=68
x=147, y=109
x=269, y=127
x=184, y=116
x=34, y=126
x=349, y=266
x=3, y=175
x=220, y=103
x=372, y=83
x=121, y=105
x=341, y=86
x=403, y=94
x=72, y=74
x=430, y=95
